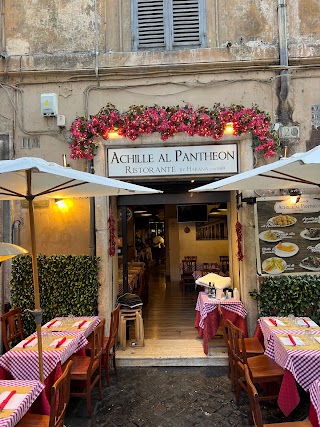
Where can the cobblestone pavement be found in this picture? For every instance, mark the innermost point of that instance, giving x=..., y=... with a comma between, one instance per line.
x=172, y=397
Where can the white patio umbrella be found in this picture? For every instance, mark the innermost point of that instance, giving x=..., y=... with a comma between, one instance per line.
x=8, y=250
x=301, y=170
x=30, y=178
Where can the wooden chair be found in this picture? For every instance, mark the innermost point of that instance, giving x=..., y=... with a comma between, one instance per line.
x=262, y=368
x=110, y=343
x=87, y=369
x=255, y=407
x=252, y=345
x=190, y=258
x=188, y=268
x=60, y=395
x=11, y=327
x=224, y=261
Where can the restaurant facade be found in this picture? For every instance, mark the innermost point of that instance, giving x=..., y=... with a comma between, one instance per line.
x=84, y=57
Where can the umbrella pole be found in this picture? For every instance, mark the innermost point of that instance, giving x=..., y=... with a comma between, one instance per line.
x=37, y=312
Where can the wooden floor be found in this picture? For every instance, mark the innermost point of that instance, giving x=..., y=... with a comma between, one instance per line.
x=170, y=336
x=170, y=311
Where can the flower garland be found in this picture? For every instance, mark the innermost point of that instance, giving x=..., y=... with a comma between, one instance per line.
x=112, y=239
x=168, y=121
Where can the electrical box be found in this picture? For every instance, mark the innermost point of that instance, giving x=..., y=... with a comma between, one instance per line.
x=49, y=104
x=61, y=120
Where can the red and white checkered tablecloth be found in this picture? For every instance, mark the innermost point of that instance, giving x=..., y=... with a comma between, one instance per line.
x=315, y=397
x=92, y=322
x=24, y=364
x=24, y=406
x=301, y=365
x=205, y=305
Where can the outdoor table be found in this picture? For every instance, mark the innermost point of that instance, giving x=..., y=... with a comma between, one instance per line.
x=19, y=404
x=314, y=414
x=21, y=363
x=301, y=362
x=208, y=320
x=73, y=325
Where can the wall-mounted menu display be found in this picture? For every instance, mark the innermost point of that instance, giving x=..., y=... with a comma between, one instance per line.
x=287, y=235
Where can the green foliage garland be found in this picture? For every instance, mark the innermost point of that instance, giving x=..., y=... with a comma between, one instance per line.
x=281, y=296
x=68, y=285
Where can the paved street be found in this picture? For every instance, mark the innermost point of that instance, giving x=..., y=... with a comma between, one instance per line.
x=171, y=397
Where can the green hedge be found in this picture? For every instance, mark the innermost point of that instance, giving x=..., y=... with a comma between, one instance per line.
x=284, y=295
x=68, y=284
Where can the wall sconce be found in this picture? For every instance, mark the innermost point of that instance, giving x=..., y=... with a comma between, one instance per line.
x=60, y=203
x=294, y=196
x=229, y=129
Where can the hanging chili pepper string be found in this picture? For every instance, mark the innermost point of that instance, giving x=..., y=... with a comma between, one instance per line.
x=239, y=240
x=112, y=237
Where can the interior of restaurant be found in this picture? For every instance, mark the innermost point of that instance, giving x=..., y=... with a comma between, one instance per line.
x=199, y=230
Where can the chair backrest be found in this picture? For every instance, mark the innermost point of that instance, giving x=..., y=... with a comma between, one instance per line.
x=60, y=394
x=11, y=325
x=114, y=326
x=253, y=399
x=190, y=257
x=210, y=265
x=96, y=347
x=236, y=342
x=206, y=271
x=188, y=266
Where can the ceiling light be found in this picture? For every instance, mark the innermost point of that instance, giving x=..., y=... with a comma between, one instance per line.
x=140, y=210
x=146, y=214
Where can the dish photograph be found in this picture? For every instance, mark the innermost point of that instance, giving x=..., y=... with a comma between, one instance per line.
x=285, y=249
x=271, y=235
x=311, y=233
x=274, y=265
x=311, y=263
x=282, y=221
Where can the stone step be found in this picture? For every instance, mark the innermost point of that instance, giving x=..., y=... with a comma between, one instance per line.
x=173, y=353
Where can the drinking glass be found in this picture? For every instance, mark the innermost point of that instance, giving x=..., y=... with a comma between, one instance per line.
x=308, y=337
x=291, y=319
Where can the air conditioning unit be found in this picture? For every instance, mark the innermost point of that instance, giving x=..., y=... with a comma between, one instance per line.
x=49, y=104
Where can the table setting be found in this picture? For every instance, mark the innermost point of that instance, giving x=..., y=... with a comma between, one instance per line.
x=294, y=343
x=207, y=317
x=16, y=398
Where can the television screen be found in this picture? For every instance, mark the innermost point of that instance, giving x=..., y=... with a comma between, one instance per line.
x=192, y=213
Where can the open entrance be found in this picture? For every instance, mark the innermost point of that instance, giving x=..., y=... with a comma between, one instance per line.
x=163, y=230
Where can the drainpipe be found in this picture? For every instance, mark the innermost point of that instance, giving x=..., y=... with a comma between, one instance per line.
x=284, y=109
x=92, y=216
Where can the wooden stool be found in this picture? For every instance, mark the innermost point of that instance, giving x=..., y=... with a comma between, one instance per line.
x=134, y=314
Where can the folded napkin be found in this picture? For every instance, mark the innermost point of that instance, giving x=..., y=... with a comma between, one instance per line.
x=81, y=323
x=294, y=341
x=59, y=343
x=6, y=400
x=15, y=400
x=25, y=344
x=317, y=338
x=274, y=322
x=305, y=322
x=63, y=342
x=54, y=322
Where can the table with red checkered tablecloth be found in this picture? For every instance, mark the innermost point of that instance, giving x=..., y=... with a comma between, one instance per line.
x=314, y=415
x=26, y=393
x=301, y=362
x=207, y=317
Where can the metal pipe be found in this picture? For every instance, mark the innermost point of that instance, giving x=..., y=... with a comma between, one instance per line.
x=92, y=216
x=283, y=49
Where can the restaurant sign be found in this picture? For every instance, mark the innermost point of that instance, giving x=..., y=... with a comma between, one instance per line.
x=287, y=235
x=164, y=161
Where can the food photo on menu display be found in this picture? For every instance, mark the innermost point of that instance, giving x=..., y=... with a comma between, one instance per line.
x=288, y=235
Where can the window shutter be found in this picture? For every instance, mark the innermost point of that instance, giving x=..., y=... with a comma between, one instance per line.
x=186, y=23
x=150, y=24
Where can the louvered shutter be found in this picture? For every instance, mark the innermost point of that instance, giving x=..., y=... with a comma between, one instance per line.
x=150, y=24
x=168, y=24
x=185, y=23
